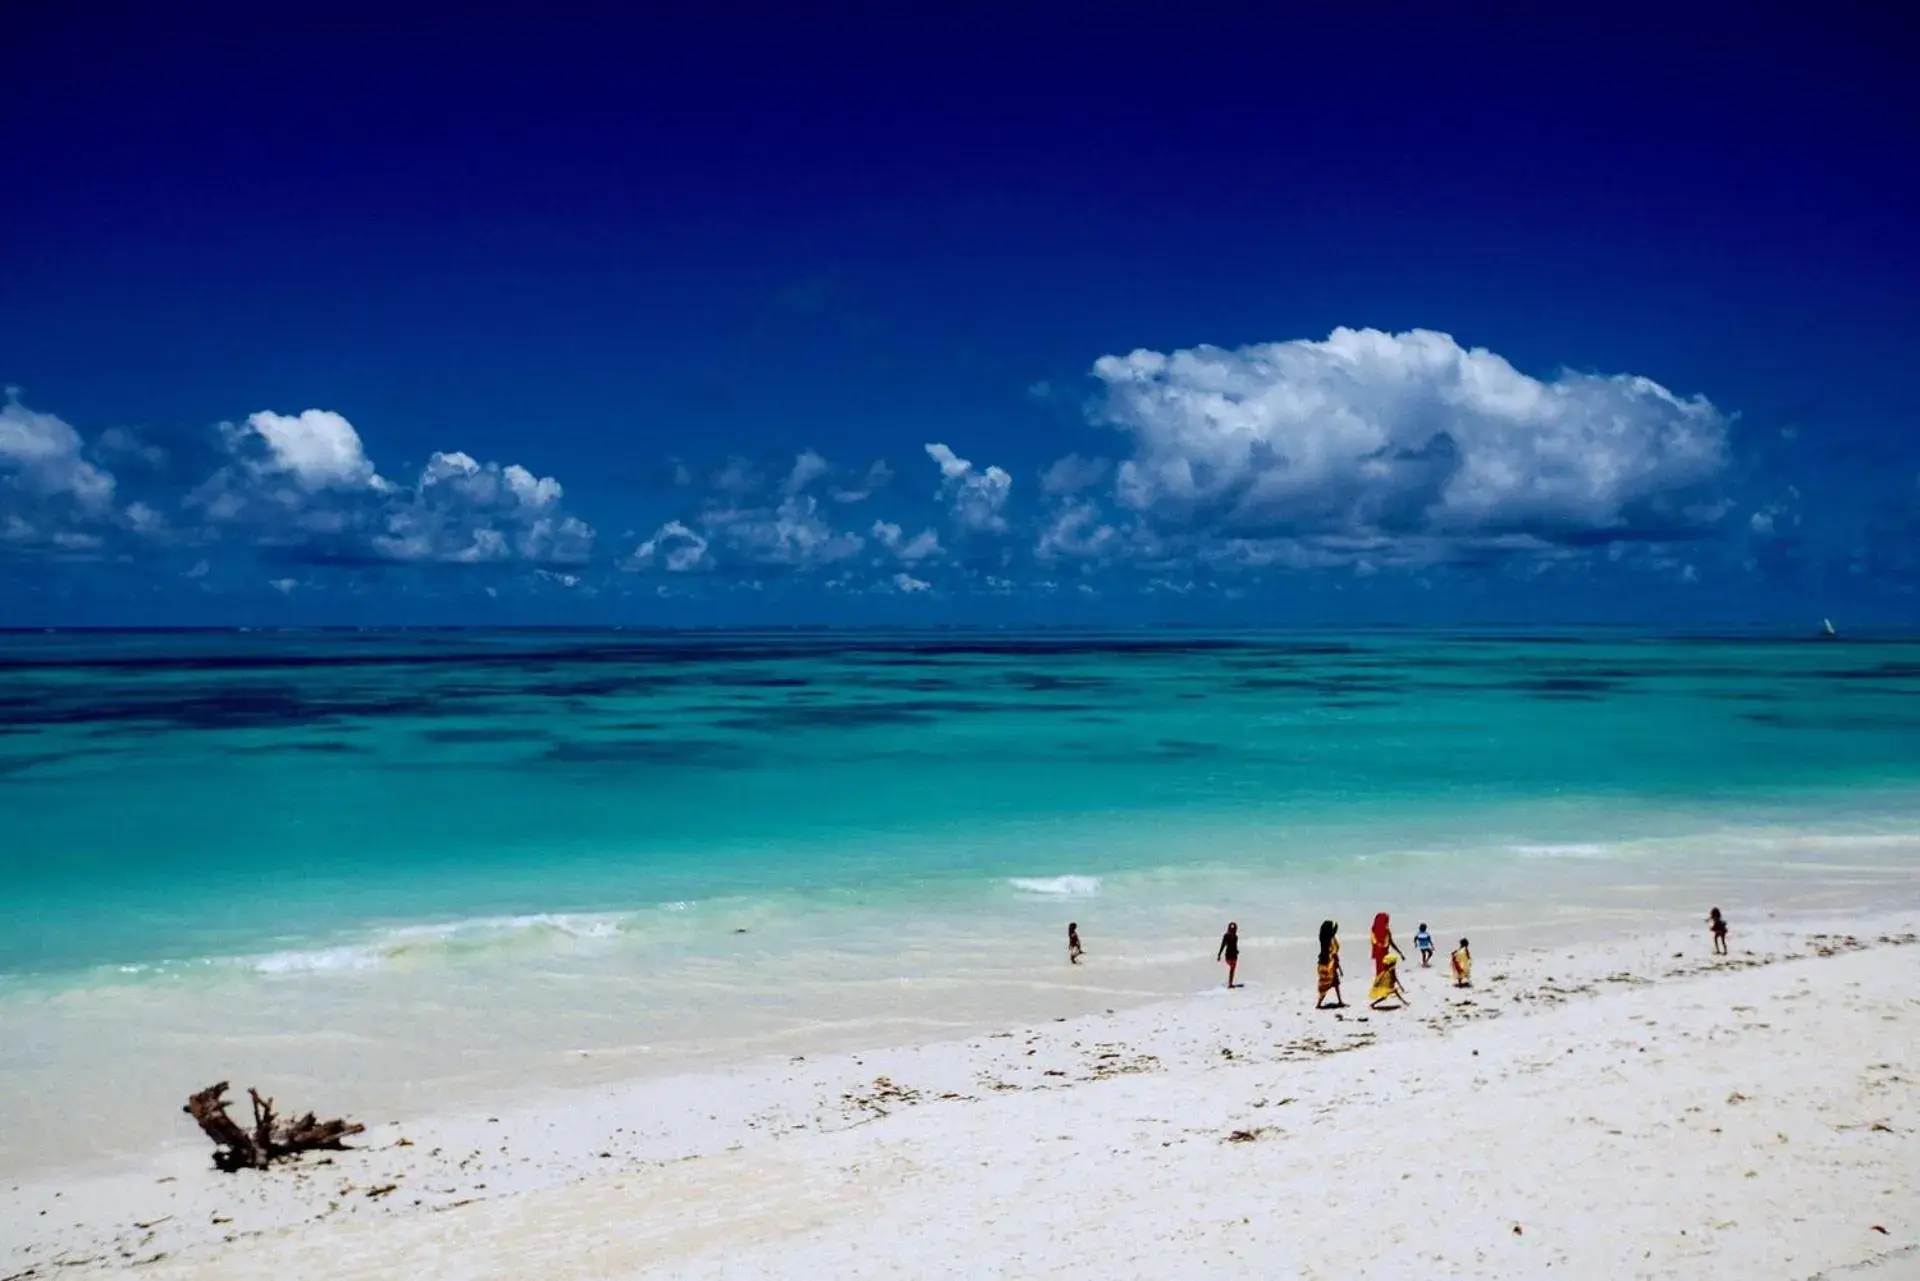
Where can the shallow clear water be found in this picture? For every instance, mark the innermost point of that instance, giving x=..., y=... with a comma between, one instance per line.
x=390, y=873
x=331, y=800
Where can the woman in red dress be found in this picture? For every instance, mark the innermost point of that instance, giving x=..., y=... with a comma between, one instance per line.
x=1382, y=942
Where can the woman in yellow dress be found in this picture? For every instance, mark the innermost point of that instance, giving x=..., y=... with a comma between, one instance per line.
x=1462, y=965
x=1386, y=983
x=1330, y=967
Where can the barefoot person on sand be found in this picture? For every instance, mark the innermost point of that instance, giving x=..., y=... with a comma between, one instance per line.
x=1382, y=939
x=1462, y=965
x=1230, y=950
x=1073, y=942
x=1424, y=941
x=1717, y=924
x=1329, y=967
x=1386, y=983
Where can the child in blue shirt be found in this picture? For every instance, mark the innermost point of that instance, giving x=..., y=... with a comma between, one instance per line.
x=1424, y=941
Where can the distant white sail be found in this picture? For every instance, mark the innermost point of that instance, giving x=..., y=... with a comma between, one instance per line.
x=1826, y=627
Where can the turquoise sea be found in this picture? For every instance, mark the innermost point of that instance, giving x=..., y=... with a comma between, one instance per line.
x=173, y=798
x=395, y=871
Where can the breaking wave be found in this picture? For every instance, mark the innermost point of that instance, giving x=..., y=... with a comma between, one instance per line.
x=1071, y=886
x=450, y=938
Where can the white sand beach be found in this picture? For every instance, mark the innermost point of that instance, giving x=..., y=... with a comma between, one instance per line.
x=1627, y=1108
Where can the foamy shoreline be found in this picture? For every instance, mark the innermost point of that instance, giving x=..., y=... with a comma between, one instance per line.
x=487, y=1011
x=1632, y=1112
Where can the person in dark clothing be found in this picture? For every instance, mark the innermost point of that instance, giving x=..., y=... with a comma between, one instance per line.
x=1230, y=951
x=1073, y=942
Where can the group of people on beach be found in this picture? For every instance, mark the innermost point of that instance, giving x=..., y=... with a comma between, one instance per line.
x=1386, y=960
x=1386, y=964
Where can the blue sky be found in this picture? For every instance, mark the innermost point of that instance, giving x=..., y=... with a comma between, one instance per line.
x=537, y=317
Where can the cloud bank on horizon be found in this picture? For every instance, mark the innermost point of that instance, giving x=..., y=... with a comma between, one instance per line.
x=293, y=487
x=1366, y=451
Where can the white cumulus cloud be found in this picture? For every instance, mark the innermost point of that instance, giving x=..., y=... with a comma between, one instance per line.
x=793, y=534
x=42, y=456
x=807, y=468
x=462, y=511
x=1405, y=437
x=488, y=484
x=672, y=547
x=303, y=485
x=52, y=497
x=976, y=496
x=924, y=545
x=316, y=448
x=1077, y=532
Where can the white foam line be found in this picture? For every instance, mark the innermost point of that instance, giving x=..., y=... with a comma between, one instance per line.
x=1073, y=886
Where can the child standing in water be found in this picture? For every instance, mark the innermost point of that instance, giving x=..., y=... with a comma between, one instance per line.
x=1462, y=965
x=1424, y=941
x=1073, y=942
x=1230, y=950
x=1717, y=924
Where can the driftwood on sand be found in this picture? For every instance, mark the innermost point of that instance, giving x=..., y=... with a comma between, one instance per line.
x=271, y=1138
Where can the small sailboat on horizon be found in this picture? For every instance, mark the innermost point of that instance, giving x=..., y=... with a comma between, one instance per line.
x=1826, y=630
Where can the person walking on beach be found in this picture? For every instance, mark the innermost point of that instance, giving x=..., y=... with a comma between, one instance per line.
x=1386, y=983
x=1073, y=942
x=1329, y=969
x=1230, y=950
x=1462, y=960
x=1717, y=924
x=1424, y=941
x=1382, y=939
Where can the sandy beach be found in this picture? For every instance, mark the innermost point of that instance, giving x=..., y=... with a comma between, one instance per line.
x=1627, y=1108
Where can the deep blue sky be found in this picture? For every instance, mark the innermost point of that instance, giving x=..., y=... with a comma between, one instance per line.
x=655, y=259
